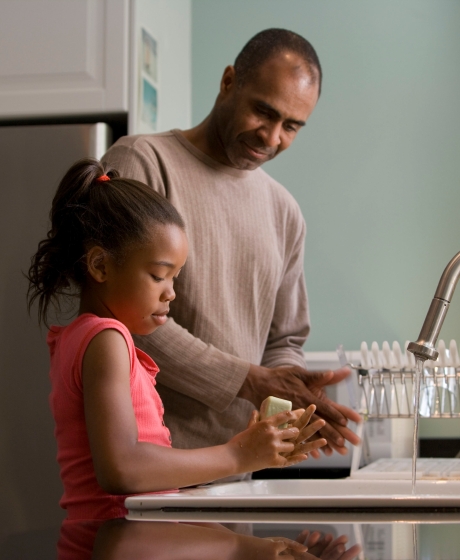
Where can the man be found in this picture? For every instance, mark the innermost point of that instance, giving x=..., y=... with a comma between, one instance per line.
x=240, y=317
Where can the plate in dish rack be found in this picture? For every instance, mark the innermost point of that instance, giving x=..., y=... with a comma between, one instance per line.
x=307, y=493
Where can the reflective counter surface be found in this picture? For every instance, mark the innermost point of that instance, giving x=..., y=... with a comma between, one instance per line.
x=247, y=536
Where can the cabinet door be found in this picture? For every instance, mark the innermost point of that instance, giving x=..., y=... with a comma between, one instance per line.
x=63, y=57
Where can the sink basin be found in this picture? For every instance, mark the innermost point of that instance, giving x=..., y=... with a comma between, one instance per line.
x=307, y=493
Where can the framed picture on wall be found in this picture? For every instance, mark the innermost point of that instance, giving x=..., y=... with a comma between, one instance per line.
x=149, y=104
x=149, y=55
x=147, y=114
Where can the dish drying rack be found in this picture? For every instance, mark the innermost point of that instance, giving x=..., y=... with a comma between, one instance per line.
x=386, y=383
x=384, y=388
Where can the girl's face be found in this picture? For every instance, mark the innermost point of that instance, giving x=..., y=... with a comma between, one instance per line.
x=138, y=291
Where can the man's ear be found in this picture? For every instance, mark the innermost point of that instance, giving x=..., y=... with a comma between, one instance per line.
x=228, y=80
x=96, y=263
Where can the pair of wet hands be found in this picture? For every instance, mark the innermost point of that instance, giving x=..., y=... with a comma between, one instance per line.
x=313, y=545
x=274, y=405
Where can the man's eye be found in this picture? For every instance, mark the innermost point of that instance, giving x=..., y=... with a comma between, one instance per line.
x=263, y=113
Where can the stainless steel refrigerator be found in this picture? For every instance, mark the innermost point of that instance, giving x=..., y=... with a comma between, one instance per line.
x=33, y=159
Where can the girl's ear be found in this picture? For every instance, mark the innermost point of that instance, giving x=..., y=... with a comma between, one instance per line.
x=96, y=263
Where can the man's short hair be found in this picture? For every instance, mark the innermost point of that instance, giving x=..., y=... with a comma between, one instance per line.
x=272, y=42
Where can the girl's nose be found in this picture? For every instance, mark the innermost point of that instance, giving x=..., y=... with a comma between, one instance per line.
x=168, y=293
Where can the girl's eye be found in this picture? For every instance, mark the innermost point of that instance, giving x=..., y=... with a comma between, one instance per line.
x=156, y=278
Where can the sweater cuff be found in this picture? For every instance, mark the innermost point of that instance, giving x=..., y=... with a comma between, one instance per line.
x=284, y=357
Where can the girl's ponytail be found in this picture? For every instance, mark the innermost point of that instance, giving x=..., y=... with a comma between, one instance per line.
x=57, y=268
x=92, y=206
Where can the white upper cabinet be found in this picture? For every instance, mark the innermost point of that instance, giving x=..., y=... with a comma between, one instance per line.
x=63, y=57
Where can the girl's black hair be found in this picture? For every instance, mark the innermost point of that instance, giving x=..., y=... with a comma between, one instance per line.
x=86, y=212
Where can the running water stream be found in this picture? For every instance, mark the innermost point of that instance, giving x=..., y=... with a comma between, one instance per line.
x=414, y=541
x=418, y=376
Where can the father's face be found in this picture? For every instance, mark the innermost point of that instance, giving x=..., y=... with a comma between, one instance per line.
x=261, y=118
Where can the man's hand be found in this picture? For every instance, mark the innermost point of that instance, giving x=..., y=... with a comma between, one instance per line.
x=303, y=388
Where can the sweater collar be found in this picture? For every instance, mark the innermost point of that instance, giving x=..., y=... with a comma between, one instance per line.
x=209, y=161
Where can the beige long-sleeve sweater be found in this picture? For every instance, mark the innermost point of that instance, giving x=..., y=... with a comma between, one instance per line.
x=240, y=298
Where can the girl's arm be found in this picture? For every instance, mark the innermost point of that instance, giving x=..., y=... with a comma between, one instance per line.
x=122, y=540
x=125, y=465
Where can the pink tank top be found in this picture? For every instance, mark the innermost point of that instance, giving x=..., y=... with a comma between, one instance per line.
x=83, y=498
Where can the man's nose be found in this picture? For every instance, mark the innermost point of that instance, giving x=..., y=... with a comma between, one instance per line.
x=271, y=134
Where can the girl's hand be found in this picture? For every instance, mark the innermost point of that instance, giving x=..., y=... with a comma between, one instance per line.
x=263, y=444
x=307, y=431
x=316, y=547
x=293, y=549
x=324, y=546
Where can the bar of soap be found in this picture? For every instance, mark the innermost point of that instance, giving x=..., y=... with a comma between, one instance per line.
x=274, y=405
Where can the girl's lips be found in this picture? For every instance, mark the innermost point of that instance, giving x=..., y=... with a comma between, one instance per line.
x=160, y=319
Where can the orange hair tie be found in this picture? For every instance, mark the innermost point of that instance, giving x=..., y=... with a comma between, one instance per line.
x=103, y=178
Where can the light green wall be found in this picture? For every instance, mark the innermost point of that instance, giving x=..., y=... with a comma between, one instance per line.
x=377, y=169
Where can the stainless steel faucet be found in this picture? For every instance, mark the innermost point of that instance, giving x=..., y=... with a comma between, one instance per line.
x=424, y=348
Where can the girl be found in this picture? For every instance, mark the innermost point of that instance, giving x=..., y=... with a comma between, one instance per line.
x=118, y=246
